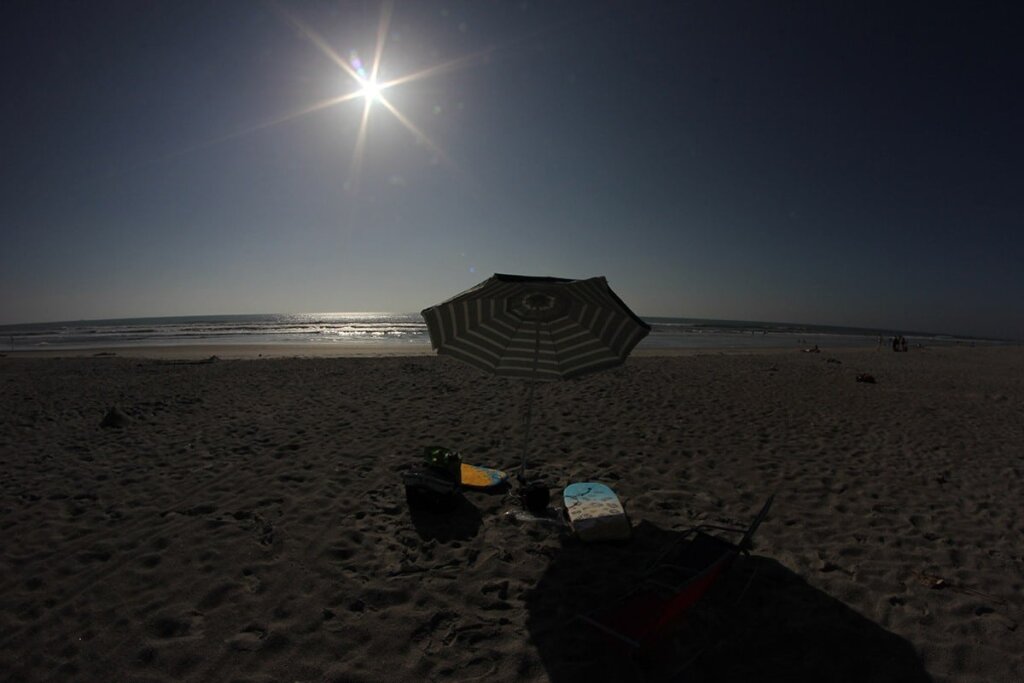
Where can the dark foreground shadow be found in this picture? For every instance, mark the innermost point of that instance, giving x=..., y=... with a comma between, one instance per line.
x=762, y=622
x=460, y=523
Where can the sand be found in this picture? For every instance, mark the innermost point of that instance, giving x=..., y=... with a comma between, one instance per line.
x=246, y=521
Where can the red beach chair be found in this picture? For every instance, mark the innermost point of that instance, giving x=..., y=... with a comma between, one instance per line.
x=680, y=577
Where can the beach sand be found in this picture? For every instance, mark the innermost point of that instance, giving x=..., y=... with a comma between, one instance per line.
x=246, y=522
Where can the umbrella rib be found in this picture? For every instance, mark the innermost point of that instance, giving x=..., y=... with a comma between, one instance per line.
x=511, y=337
x=554, y=345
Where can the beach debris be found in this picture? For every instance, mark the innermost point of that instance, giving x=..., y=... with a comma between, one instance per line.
x=935, y=582
x=549, y=516
x=835, y=361
x=115, y=418
x=866, y=378
x=813, y=349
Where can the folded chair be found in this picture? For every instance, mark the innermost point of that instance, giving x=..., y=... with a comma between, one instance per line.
x=678, y=579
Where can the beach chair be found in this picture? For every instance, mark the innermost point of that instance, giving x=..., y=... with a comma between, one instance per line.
x=679, y=578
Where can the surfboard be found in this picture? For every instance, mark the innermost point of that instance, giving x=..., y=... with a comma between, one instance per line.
x=476, y=477
x=595, y=512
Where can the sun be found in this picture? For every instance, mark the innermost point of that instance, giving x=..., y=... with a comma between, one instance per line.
x=370, y=90
x=370, y=86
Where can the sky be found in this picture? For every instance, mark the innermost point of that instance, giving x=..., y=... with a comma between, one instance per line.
x=841, y=163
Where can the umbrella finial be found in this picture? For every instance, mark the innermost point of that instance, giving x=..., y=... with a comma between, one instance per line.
x=539, y=301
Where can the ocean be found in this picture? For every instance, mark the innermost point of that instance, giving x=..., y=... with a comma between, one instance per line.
x=408, y=330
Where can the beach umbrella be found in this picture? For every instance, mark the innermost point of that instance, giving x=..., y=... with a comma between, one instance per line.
x=536, y=328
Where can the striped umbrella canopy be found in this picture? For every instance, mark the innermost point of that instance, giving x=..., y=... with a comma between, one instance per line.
x=536, y=328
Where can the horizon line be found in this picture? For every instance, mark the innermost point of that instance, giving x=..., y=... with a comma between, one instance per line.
x=875, y=330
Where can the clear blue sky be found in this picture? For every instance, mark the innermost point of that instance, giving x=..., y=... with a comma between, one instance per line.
x=853, y=163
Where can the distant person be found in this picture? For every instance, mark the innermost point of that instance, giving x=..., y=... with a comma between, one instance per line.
x=903, y=343
x=895, y=343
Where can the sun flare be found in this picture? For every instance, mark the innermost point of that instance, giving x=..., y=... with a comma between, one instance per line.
x=370, y=90
x=370, y=87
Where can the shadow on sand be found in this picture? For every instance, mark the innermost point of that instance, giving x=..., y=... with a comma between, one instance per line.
x=762, y=622
x=460, y=523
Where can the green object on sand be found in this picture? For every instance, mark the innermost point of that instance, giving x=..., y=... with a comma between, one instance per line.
x=445, y=459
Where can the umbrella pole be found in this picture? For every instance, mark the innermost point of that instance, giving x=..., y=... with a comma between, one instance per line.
x=532, y=384
x=526, y=436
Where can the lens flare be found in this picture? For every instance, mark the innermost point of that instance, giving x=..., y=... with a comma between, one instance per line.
x=357, y=64
x=370, y=90
x=368, y=86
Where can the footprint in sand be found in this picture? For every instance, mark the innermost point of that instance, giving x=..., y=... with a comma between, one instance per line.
x=263, y=529
x=250, y=639
x=251, y=581
x=176, y=626
x=501, y=588
x=438, y=628
x=475, y=669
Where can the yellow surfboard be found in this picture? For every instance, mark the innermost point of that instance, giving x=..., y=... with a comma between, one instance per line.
x=475, y=477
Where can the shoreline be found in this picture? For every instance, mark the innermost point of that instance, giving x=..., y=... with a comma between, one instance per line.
x=253, y=351
x=226, y=351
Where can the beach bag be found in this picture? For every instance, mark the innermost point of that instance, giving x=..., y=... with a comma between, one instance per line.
x=430, y=489
x=436, y=487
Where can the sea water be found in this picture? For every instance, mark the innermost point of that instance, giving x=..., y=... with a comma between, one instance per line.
x=409, y=330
